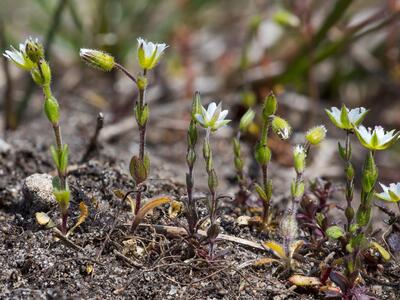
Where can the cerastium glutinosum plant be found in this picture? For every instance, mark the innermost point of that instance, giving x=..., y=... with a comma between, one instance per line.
x=30, y=57
x=289, y=225
x=263, y=153
x=347, y=119
x=211, y=120
x=191, y=213
x=148, y=54
x=354, y=239
x=243, y=192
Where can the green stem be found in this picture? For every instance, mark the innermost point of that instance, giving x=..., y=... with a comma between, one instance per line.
x=349, y=212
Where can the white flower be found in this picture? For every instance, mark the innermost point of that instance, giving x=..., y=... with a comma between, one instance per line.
x=213, y=117
x=390, y=193
x=376, y=139
x=20, y=58
x=149, y=53
x=346, y=118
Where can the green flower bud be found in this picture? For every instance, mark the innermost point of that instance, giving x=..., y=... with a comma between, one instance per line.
x=316, y=135
x=370, y=173
x=139, y=169
x=192, y=134
x=349, y=212
x=238, y=163
x=196, y=105
x=52, y=110
x=299, y=159
x=349, y=172
x=246, y=119
x=190, y=157
x=34, y=50
x=263, y=154
x=281, y=127
x=270, y=106
x=98, y=59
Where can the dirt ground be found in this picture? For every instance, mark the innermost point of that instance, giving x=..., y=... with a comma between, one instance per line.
x=149, y=264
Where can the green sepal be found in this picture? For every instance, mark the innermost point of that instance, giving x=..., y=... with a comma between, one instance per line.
x=246, y=119
x=270, y=106
x=196, y=105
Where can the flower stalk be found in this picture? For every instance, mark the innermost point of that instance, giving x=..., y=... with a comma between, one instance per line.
x=243, y=192
x=263, y=153
x=211, y=120
x=148, y=55
x=30, y=57
x=190, y=204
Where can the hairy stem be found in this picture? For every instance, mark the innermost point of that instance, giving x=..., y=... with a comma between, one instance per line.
x=349, y=183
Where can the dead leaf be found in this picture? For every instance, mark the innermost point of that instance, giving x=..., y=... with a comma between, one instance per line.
x=121, y=195
x=265, y=261
x=89, y=269
x=84, y=213
x=150, y=204
x=175, y=209
x=276, y=248
x=384, y=253
x=300, y=280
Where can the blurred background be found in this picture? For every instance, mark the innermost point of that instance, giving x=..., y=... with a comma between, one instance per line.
x=312, y=54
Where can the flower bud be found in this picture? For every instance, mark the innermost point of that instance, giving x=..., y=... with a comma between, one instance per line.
x=370, y=173
x=138, y=169
x=192, y=134
x=98, y=59
x=191, y=157
x=316, y=134
x=281, y=127
x=52, y=110
x=270, y=106
x=246, y=119
x=299, y=158
x=34, y=50
x=196, y=105
x=349, y=172
x=236, y=147
x=263, y=154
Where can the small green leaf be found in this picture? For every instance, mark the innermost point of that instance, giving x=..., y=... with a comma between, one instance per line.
x=334, y=232
x=54, y=155
x=261, y=192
